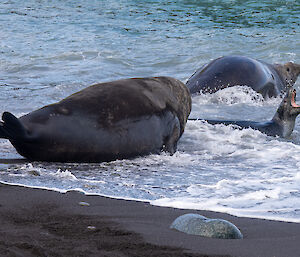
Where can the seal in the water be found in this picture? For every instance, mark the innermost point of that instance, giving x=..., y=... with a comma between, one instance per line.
x=268, y=79
x=281, y=125
x=104, y=122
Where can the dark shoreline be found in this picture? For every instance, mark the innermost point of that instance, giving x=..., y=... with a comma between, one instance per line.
x=37, y=222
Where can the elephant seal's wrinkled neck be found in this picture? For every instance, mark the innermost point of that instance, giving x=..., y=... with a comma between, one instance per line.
x=287, y=113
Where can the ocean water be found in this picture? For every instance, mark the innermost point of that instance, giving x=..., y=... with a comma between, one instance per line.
x=50, y=49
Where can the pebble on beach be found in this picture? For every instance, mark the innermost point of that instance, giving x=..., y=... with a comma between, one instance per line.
x=195, y=224
x=84, y=204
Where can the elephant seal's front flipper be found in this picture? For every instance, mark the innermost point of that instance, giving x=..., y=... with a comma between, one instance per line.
x=170, y=144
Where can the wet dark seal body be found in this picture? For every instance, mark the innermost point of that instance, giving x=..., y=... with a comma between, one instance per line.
x=104, y=122
x=267, y=79
x=281, y=125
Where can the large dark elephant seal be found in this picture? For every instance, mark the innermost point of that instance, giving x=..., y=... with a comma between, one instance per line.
x=267, y=79
x=104, y=122
x=281, y=125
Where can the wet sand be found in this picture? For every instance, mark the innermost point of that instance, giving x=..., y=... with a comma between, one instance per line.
x=36, y=222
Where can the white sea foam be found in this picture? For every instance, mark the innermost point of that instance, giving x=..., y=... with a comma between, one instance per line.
x=66, y=174
x=233, y=96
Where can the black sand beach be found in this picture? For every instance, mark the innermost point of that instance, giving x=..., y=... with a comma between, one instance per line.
x=37, y=222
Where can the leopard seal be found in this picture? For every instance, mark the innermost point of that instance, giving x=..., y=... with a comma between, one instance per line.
x=104, y=122
x=282, y=124
x=268, y=79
